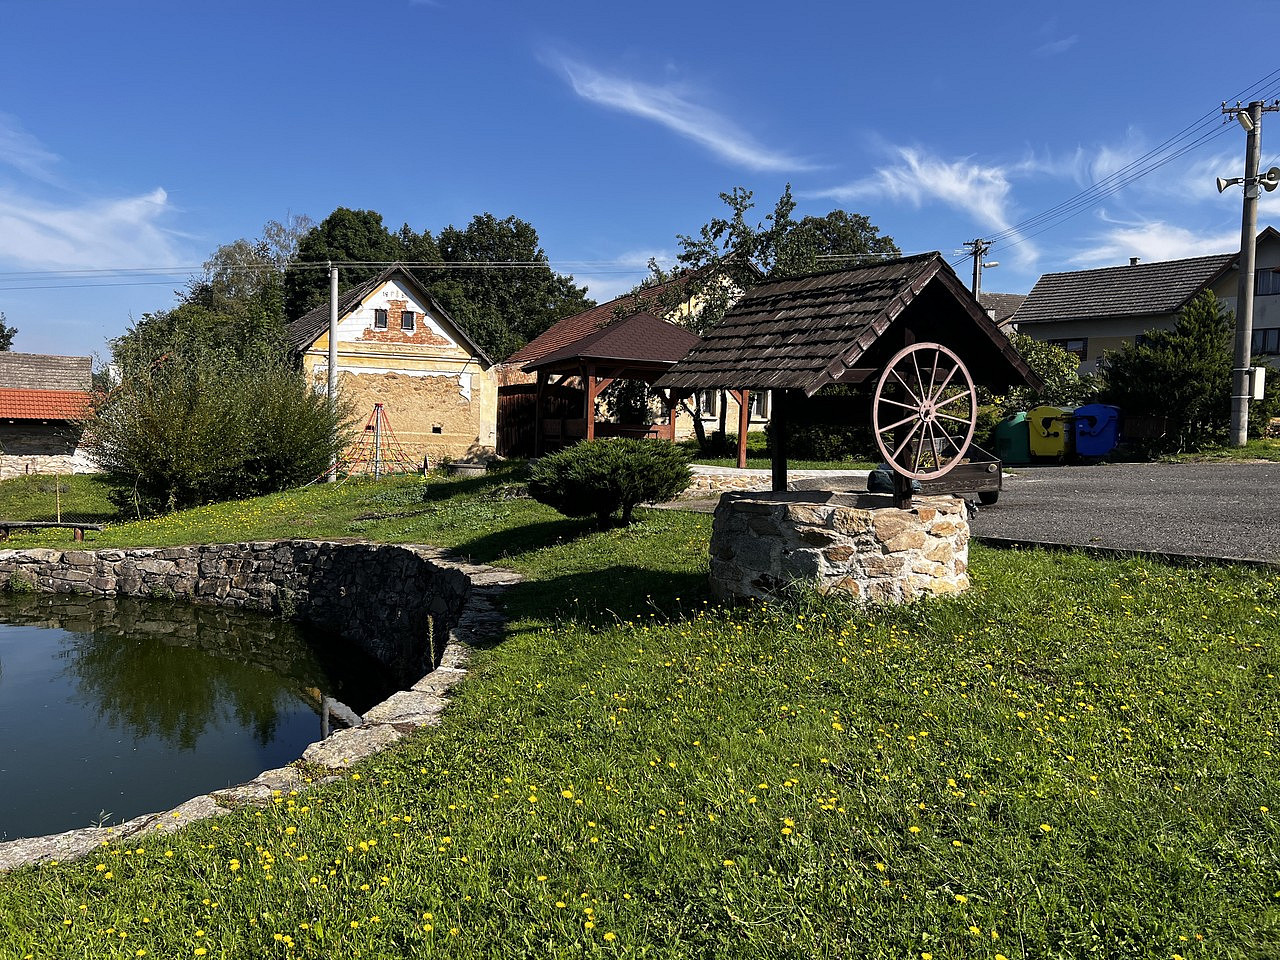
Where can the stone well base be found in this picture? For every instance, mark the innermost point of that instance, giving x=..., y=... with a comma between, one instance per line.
x=852, y=542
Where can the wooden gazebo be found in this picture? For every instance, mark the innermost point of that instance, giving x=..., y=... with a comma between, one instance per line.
x=639, y=347
x=907, y=337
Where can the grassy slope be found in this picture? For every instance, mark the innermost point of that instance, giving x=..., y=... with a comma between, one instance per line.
x=1075, y=759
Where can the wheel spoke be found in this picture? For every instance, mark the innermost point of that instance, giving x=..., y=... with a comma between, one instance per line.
x=899, y=403
x=905, y=441
x=950, y=417
x=887, y=427
x=933, y=374
x=958, y=396
x=915, y=362
x=912, y=395
x=937, y=393
x=933, y=446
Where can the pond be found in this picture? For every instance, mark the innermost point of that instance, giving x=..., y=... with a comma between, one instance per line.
x=115, y=708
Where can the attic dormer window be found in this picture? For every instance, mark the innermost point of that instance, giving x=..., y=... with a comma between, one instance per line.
x=379, y=319
x=406, y=320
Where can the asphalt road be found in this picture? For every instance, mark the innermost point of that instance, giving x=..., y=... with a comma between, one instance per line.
x=1197, y=509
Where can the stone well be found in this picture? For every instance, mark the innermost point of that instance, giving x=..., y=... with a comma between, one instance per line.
x=857, y=543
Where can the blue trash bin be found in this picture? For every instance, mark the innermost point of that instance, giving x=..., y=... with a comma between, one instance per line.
x=1097, y=427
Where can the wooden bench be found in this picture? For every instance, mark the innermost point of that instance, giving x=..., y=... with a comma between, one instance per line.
x=79, y=528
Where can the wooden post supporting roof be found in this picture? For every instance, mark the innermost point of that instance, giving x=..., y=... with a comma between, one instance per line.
x=744, y=419
x=778, y=403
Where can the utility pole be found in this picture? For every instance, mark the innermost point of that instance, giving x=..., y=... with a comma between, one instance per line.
x=978, y=249
x=333, y=357
x=1250, y=118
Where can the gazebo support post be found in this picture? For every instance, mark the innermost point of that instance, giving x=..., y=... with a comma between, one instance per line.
x=539, y=395
x=901, y=491
x=744, y=419
x=778, y=433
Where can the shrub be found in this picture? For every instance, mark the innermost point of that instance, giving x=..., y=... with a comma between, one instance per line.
x=599, y=477
x=200, y=428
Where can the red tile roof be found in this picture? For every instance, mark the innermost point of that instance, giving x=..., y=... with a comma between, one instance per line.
x=22, y=404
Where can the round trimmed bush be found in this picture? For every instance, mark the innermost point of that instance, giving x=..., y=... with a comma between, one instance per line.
x=599, y=477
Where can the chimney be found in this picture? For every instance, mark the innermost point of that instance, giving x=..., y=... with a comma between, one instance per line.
x=1133, y=261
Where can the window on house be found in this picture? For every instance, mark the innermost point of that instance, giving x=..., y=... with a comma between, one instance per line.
x=708, y=403
x=1266, y=342
x=1266, y=283
x=379, y=319
x=758, y=405
x=406, y=320
x=1079, y=347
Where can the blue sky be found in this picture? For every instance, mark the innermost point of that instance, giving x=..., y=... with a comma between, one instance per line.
x=141, y=135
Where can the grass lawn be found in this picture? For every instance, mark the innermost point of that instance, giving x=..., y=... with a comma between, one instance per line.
x=82, y=497
x=1074, y=759
x=1259, y=449
x=758, y=457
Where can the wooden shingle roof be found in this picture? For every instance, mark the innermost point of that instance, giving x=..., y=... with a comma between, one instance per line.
x=807, y=332
x=1140, y=289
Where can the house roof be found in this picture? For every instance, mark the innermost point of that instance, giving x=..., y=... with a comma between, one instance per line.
x=806, y=332
x=1001, y=306
x=1137, y=290
x=640, y=338
x=573, y=328
x=304, y=331
x=36, y=371
x=26, y=404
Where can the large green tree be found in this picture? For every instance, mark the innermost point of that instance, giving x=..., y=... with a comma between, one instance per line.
x=492, y=275
x=7, y=334
x=235, y=306
x=503, y=307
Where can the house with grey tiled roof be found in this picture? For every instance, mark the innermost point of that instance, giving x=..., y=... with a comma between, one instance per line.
x=1090, y=312
x=42, y=400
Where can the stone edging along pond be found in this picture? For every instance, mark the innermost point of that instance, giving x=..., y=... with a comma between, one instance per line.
x=415, y=609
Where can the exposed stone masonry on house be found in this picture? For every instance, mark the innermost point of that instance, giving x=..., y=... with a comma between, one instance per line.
x=852, y=543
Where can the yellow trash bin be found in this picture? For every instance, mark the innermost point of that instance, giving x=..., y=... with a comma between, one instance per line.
x=1049, y=432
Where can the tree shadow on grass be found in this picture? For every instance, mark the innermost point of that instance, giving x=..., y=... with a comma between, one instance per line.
x=610, y=594
x=523, y=539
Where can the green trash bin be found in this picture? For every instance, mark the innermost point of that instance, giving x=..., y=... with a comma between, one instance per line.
x=1049, y=432
x=1013, y=444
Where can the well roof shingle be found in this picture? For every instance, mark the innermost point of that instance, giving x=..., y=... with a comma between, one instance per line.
x=803, y=333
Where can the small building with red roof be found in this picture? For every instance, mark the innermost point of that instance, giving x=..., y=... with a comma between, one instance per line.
x=43, y=399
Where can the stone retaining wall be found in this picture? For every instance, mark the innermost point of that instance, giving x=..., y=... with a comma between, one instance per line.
x=854, y=543
x=379, y=596
x=389, y=601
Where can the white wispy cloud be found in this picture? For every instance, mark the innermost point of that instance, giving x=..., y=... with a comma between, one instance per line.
x=23, y=152
x=1055, y=47
x=1151, y=240
x=671, y=107
x=982, y=191
x=93, y=234
x=608, y=279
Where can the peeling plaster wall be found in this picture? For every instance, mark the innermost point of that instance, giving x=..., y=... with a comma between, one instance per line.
x=440, y=400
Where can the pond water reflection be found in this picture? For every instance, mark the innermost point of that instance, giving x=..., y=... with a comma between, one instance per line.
x=114, y=708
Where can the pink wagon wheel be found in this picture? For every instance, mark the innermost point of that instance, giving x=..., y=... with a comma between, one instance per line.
x=924, y=412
